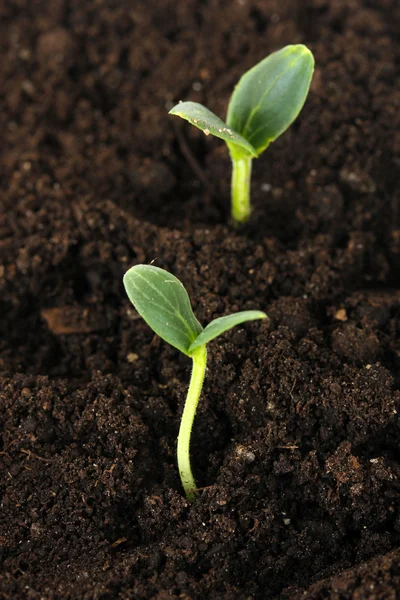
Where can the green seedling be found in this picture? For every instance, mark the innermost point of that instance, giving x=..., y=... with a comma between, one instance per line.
x=163, y=302
x=264, y=104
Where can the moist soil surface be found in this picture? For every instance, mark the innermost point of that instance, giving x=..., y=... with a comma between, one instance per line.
x=296, y=443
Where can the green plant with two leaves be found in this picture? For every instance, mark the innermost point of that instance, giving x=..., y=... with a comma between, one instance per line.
x=264, y=104
x=163, y=302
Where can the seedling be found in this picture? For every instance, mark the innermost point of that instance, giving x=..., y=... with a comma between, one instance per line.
x=264, y=104
x=163, y=302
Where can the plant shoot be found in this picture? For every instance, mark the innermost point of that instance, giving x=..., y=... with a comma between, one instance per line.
x=264, y=104
x=163, y=302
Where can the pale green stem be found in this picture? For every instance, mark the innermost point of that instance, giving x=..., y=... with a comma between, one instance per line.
x=240, y=190
x=199, y=357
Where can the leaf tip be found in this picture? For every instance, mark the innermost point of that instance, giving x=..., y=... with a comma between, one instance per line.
x=263, y=315
x=258, y=314
x=299, y=52
x=303, y=52
x=174, y=110
x=127, y=274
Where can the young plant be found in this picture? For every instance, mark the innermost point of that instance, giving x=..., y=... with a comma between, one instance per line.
x=163, y=302
x=264, y=104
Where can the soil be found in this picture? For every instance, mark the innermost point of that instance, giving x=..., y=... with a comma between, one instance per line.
x=296, y=441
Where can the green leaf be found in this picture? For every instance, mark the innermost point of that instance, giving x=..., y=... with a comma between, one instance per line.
x=202, y=118
x=222, y=324
x=162, y=301
x=269, y=96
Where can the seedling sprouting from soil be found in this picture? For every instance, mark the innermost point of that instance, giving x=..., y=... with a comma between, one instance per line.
x=163, y=302
x=264, y=104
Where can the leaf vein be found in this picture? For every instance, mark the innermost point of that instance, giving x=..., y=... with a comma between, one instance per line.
x=256, y=108
x=175, y=311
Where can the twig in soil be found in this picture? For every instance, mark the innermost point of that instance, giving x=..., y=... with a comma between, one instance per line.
x=118, y=542
x=109, y=471
x=263, y=105
x=32, y=454
x=288, y=447
x=193, y=162
x=255, y=526
x=162, y=301
x=205, y=487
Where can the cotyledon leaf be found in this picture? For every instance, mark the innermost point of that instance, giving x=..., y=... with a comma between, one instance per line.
x=222, y=324
x=204, y=119
x=270, y=95
x=163, y=302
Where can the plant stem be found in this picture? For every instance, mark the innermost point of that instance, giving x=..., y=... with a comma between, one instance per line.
x=199, y=357
x=240, y=188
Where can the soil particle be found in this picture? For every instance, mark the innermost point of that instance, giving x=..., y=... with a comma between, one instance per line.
x=55, y=49
x=355, y=344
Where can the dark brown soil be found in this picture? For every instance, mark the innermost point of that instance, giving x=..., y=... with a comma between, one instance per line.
x=297, y=438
